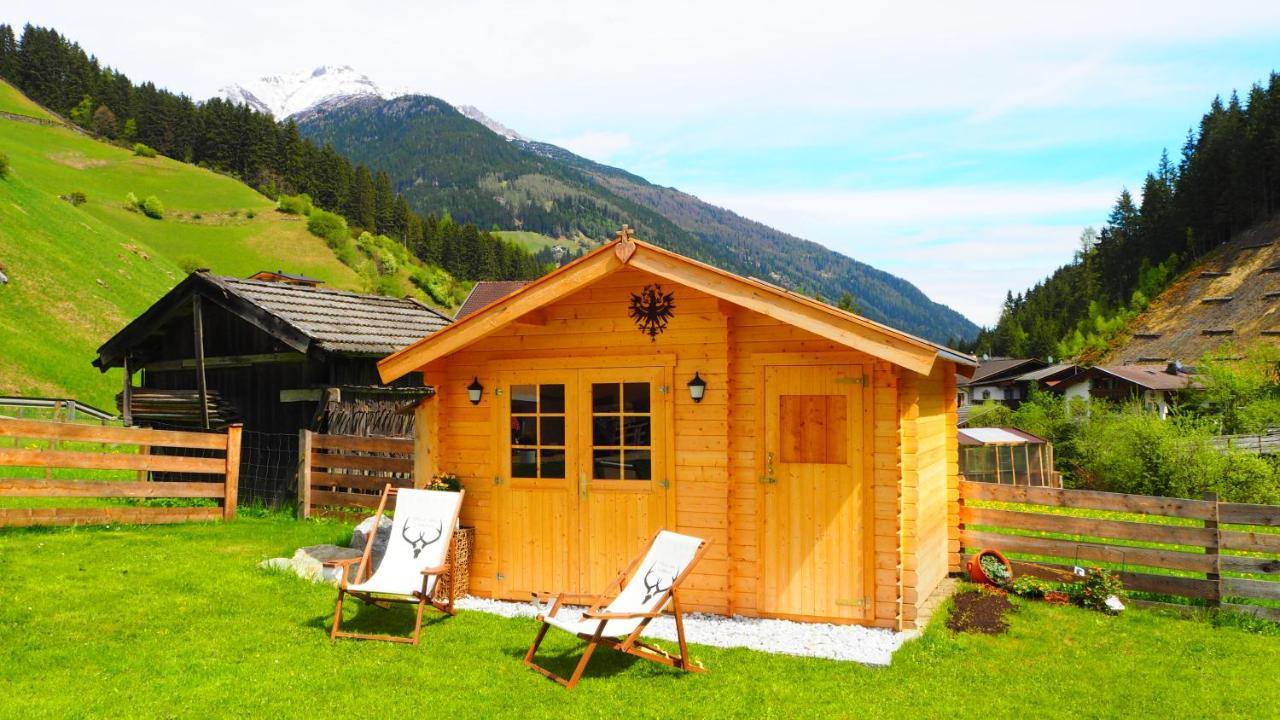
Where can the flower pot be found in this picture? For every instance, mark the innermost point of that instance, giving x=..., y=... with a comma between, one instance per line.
x=979, y=575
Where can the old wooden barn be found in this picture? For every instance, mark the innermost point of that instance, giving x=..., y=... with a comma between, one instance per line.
x=636, y=389
x=279, y=354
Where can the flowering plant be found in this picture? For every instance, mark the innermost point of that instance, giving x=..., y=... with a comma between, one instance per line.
x=447, y=482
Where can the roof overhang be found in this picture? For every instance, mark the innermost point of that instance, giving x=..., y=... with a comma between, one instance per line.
x=823, y=320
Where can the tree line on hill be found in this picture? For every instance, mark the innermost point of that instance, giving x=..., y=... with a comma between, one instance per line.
x=1227, y=179
x=234, y=139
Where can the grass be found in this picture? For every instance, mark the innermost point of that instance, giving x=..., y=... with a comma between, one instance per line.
x=79, y=274
x=176, y=620
x=533, y=242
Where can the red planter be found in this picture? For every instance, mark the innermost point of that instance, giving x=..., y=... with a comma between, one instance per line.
x=978, y=575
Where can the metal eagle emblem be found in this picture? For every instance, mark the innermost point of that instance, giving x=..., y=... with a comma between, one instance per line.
x=652, y=309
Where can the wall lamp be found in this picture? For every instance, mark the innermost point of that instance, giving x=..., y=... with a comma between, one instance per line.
x=697, y=388
x=474, y=391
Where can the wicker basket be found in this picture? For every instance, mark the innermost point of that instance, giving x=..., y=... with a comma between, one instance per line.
x=459, y=576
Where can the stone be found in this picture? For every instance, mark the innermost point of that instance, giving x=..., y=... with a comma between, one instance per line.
x=308, y=562
x=360, y=536
x=282, y=564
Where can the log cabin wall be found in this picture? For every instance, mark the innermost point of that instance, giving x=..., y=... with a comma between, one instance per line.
x=930, y=471
x=713, y=464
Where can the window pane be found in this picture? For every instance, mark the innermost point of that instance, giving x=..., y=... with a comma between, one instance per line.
x=524, y=431
x=636, y=465
x=635, y=431
x=635, y=397
x=552, y=398
x=553, y=464
x=604, y=430
x=524, y=463
x=604, y=397
x=606, y=465
x=524, y=398
x=552, y=431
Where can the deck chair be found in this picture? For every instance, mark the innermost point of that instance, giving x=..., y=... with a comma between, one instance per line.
x=416, y=555
x=645, y=587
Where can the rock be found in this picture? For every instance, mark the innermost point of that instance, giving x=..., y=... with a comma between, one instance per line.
x=308, y=562
x=276, y=564
x=360, y=536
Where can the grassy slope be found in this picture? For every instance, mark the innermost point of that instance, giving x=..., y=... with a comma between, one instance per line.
x=77, y=275
x=533, y=242
x=146, y=622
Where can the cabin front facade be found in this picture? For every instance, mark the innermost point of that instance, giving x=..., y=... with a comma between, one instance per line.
x=820, y=458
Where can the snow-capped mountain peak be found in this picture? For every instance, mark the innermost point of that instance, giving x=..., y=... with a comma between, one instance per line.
x=292, y=93
x=498, y=128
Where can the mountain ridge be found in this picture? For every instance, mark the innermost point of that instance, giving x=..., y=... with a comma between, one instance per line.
x=445, y=160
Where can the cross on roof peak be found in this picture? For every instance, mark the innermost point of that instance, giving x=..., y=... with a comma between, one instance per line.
x=626, y=234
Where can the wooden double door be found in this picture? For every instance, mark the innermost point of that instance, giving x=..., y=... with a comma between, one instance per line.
x=814, y=505
x=583, y=479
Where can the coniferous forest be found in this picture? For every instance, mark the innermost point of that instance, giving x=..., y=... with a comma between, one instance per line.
x=1227, y=179
x=234, y=139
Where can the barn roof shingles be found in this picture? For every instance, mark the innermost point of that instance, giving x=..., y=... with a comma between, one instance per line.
x=340, y=321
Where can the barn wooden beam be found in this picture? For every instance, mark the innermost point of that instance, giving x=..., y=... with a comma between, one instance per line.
x=126, y=396
x=197, y=323
x=224, y=361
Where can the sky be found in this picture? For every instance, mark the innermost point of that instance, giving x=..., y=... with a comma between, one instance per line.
x=962, y=146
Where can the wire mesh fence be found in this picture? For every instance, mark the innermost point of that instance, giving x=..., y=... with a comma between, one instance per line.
x=268, y=467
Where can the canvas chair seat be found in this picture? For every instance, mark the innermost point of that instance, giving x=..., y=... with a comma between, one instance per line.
x=612, y=628
x=387, y=584
x=648, y=586
x=417, y=550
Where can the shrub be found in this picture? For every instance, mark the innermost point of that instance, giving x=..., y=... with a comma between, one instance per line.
x=189, y=264
x=250, y=214
x=76, y=198
x=143, y=150
x=153, y=208
x=131, y=202
x=1092, y=592
x=1029, y=586
x=294, y=204
x=1130, y=450
x=331, y=227
x=4, y=165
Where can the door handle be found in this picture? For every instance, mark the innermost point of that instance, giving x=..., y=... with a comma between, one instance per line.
x=768, y=478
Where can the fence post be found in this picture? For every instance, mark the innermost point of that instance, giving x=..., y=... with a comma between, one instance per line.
x=304, y=474
x=1215, y=551
x=233, y=471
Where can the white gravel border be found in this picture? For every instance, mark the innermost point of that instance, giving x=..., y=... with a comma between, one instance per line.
x=850, y=643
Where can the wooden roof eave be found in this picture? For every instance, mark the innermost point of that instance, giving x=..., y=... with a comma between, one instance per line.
x=848, y=330
x=111, y=353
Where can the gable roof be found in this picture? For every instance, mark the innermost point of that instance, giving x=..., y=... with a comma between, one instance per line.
x=1146, y=376
x=824, y=320
x=485, y=292
x=302, y=317
x=998, y=369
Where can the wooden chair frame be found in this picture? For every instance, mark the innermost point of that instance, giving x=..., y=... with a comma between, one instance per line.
x=631, y=644
x=420, y=598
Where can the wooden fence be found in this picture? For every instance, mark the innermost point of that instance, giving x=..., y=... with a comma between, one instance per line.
x=147, y=451
x=1264, y=444
x=338, y=474
x=1206, y=550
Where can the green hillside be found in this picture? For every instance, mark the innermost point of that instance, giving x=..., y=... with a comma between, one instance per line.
x=77, y=274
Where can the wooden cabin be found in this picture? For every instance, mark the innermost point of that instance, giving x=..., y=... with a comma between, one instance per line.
x=279, y=354
x=635, y=389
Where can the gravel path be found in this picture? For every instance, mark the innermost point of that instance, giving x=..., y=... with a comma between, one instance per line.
x=854, y=643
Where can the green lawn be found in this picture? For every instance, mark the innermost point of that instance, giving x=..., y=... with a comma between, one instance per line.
x=176, y=621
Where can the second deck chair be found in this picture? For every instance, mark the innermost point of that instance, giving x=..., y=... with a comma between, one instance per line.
x=416, y=555
x=645, y=587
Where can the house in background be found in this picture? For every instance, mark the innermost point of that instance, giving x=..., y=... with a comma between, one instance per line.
x=485, y=292
x=635, y=389
x=998, y=380
x=278, y=354
x=1156, y=388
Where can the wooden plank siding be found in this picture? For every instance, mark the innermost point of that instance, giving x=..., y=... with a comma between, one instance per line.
x=715, y=465
x=935, y=455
